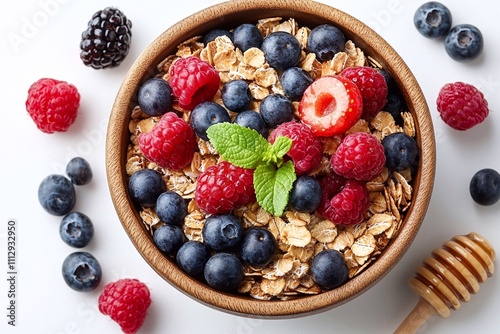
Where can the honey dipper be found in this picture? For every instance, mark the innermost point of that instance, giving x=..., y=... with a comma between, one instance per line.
x=448, y=277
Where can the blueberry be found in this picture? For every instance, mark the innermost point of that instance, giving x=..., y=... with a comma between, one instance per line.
x=145, y=186
x=192, y=257
x=276, y=109
x=214, y=33
x=222, y=232
x=325, y=41
x=253, y=120
x=57, y=195
x=81, y=271
x=464, y=43
x=281, y=49
x=224, y=272
x=329, y=269
x=169, y=238
x=258, y=247
x=432, y=19
x=295, y=81
x=171, y=208
x=305, y=194
x=246, y=36
x=392, y=86
x=206, y=114
x=76, y=229
x=395, y=106
x=79, y=171
x=401, y=151
x=485, y=187
x=236, y=95
x=155, y=97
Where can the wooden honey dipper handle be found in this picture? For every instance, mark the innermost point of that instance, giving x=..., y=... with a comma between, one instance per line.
x=448, y=278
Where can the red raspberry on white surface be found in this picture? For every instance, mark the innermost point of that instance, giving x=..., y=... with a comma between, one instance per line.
x=461, y=105
x=126, y=301
x=52, y=104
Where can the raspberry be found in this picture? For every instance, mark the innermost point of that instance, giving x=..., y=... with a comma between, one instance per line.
x=343, y=201
x=306, y=151
x=359, y=156
x=224, y=187
x=461, y=105
x=52, y=104
x=170, y=144
x=126, y=301
x=193, y=81
x=373, y=88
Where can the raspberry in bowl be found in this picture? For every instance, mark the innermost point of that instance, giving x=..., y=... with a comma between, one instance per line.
x=259, y=247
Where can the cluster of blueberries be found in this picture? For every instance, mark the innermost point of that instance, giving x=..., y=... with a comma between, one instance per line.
x=463, y=42
x=81, y=270
x=226, y=246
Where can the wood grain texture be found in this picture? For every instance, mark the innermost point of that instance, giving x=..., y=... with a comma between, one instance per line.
x=229, y=15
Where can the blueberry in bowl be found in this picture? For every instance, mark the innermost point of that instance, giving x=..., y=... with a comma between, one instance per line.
x=232, y=279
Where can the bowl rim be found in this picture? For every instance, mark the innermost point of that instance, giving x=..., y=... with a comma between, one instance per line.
x=227, y=13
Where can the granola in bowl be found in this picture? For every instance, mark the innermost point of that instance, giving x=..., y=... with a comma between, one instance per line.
x=299, y=235
x=390, y=206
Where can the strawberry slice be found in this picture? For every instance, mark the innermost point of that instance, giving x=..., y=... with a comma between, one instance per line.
x=331, y=105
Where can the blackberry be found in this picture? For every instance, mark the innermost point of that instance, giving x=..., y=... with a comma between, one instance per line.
x=106, y=41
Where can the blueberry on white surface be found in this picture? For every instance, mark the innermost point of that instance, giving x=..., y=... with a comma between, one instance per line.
x=79, y=171
x=432, y=19
x=76, y=229
x=81, y=271
x=57, y=195
x=484, y=187
x=464, y=42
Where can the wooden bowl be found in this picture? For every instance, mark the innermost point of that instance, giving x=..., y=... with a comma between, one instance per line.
x=229, y=15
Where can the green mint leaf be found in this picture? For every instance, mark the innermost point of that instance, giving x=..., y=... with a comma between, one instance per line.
x=272, y=186
x=241, y=146
x=277, y=150
x=281, y=146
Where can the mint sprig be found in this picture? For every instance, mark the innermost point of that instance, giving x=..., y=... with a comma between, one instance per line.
x=244, y=147
x=272, y=186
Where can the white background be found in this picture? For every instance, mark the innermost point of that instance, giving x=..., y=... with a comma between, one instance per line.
x=51, y=49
